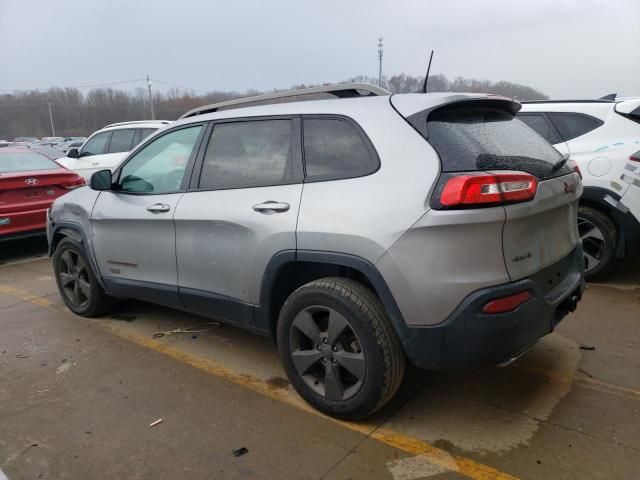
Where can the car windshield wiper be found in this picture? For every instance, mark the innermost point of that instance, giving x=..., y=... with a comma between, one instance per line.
x=560, y=163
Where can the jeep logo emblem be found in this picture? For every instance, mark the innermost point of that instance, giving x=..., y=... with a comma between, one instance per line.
x=31, y=181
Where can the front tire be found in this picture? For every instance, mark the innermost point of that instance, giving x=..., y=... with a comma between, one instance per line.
x=599, y=241
x=338, y=348
x=77, y=282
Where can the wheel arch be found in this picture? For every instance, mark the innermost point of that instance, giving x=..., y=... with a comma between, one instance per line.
x=289, y=270
x=595, y=197
x=74, y=231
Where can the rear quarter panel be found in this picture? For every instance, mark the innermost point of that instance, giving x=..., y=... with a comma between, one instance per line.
x=365, y=216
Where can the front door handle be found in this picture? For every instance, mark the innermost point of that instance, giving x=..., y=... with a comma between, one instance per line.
x=271, y=207
x=158, y=208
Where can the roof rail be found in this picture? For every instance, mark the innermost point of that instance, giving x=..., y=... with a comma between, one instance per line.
x=588, y=100
x=134, y=122
x=344, y=90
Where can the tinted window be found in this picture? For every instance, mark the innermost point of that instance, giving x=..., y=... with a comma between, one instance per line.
x=141, y=134
x=334, y=149
x=481, y=138
x=541, y=125
x=121, y=140
x=571, y=125
x=97, y=145
x=11, y=162
x=160, y=166
x=248, y=154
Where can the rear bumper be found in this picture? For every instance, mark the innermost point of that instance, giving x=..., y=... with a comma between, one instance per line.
x=22, y=224
x=471, y=338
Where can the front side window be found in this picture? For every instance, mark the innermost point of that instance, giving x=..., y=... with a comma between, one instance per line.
x=160, y=166
x=572, y=125
x=248, y=154
x=334, y=149
x=96, y=145
x=121, y=140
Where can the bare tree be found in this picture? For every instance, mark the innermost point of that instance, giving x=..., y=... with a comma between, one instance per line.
x=75, y=113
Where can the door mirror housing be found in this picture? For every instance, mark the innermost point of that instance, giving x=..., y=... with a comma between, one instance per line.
x=101, y=180
x=73, y=153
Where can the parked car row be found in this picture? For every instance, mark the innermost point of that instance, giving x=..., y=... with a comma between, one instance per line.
x=57, y=142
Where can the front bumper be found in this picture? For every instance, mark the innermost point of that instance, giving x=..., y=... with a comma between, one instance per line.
x=471, y=338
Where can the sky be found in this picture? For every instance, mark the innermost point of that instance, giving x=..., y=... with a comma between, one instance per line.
x=566, y=48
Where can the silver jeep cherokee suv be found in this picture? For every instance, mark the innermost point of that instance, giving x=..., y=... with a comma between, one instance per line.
x=359, y=231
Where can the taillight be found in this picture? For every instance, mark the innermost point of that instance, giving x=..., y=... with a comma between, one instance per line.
x=478, y=189
x=635, y=157
x=74, y=183
x=506, y=304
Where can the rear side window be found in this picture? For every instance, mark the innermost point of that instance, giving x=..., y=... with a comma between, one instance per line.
x=540, y=124
x=141, y=134
x=96, y=145
x=121, y=140
x=248, y=154
x=573, y=125
x=335, y=149
x=486, y=138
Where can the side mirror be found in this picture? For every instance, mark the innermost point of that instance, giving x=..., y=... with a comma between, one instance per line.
x=73, y=153
x=101, y=180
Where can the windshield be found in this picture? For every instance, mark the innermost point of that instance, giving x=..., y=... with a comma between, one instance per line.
x=11, y=162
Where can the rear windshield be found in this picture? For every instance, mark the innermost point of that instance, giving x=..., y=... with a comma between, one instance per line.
x=481, y=138
x=12, y=162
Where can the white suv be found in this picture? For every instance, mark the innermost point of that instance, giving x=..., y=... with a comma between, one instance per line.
x=107, y=147
x=603, y=137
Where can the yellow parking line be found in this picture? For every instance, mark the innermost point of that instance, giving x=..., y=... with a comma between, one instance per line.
x=434, y=455
x=414, y=446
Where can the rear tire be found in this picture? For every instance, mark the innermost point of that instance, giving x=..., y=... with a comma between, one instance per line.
x=77, y=282
x=599, y=237
x=338, y=348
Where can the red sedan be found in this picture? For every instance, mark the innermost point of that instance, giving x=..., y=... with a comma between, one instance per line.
x=29, y=183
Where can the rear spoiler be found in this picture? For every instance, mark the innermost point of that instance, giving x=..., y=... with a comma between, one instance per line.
x=415, y=108
x=629, y=108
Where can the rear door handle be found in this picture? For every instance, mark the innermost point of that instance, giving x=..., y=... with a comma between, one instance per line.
x=158, y=208
x=271, y=207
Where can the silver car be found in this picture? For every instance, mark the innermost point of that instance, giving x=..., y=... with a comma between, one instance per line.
x=360, y=232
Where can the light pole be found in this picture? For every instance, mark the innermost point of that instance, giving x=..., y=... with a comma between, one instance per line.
x=153, y=113
x=380, y=62
x=53, y=130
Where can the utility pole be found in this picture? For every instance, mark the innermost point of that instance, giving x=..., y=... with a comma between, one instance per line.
x=53, y=130
x=380, y=62
x=153, y=113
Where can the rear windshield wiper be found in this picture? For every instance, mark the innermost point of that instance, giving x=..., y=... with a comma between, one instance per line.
x=560, y=163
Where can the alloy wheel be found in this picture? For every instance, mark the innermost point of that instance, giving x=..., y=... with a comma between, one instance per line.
x=593, y=243
x=74, y=278
x=327, y=353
